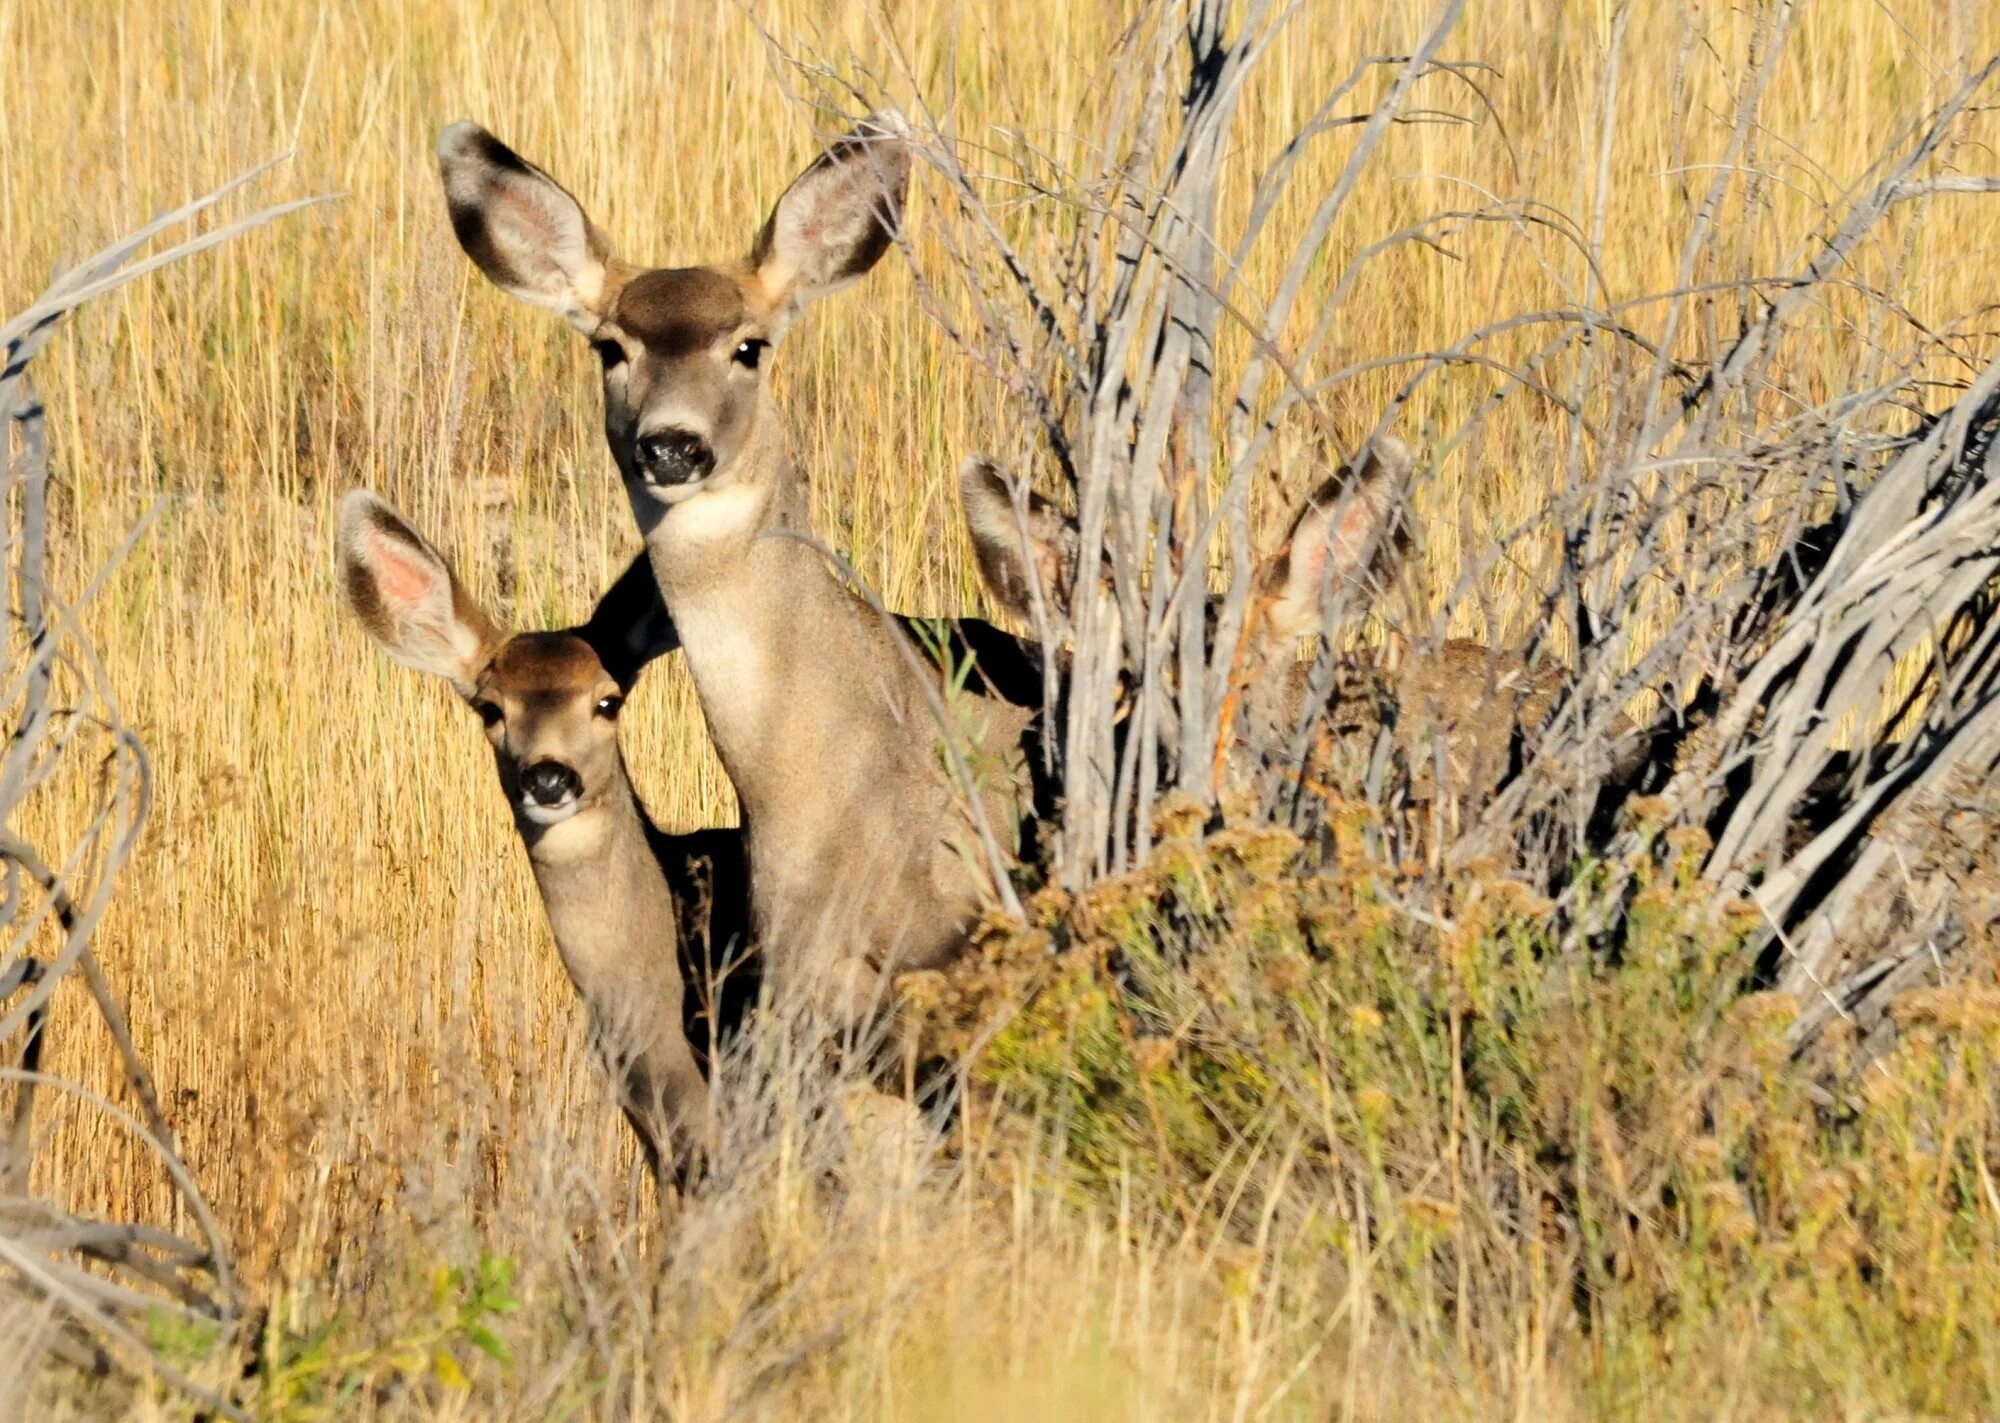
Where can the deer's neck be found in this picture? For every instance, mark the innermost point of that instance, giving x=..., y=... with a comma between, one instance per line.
x=799, y=686
x=608, y=902
x=613, y=915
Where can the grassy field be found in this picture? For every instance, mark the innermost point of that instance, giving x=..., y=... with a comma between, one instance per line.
x=335, y=962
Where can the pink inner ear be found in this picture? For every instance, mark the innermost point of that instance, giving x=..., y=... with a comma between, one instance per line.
x=1049, y=565
x=524, y=212
x=1306, y=561
x=404, y=578
x=1350, y=534
x=839, y=192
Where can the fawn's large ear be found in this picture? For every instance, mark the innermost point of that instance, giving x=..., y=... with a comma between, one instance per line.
x=404, y=593
x=522, y=228
x=630, y=626
x=1331, y=541
x=1017, y=546
x=838, y=217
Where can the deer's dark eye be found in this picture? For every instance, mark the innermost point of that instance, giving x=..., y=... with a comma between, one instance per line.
x=609, y=352
x=750, y=352
x=489, y=712
x=608, y=706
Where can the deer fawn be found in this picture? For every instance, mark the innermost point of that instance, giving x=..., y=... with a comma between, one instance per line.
x=614, y=887
x=863, y=856
x=1457, y=710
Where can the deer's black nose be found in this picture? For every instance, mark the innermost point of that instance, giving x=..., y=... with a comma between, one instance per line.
x=674, y=457
x=550, y=783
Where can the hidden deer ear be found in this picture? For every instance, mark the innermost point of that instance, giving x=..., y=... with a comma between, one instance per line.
x=1019, y=547
x=630, y=626
x=838, y=217
x=1339, y=537
x=522, y=228
x=406, y=597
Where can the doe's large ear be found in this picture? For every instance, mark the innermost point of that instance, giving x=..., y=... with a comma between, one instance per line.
x=838, y=217
x=630, y=626
x=522, y=228
x=1331, y=540
x=1014, y=550
x=404, y=593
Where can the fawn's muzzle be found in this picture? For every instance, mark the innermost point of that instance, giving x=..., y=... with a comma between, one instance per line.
x=550, y=783
x=674, y=457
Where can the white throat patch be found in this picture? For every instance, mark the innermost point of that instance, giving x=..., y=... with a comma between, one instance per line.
x=708, y=517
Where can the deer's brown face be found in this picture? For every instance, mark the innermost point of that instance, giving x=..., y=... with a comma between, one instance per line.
x=683, y=353
x=551, y=713
x=685, y=349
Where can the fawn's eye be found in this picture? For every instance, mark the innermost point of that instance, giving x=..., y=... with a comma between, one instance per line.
x=608, y=706
x=750, y=352
x=609, y=352
x=489, y=712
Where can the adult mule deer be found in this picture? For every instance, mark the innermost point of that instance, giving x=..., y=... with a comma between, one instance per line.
x=867, y=855
x=624, y=901
x=1457, y=713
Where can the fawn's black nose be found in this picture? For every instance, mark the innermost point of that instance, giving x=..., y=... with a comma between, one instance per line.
x=550, y=783
x=674, y=457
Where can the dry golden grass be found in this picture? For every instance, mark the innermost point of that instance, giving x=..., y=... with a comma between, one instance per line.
x=335, y=961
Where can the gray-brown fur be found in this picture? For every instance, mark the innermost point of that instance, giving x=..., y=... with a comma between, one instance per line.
x=864, y=857
x=675, y=312
x=1457, y=717
x=1002, y=532
x=602, y=870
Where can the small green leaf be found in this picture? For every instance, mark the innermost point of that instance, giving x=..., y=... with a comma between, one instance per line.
x=489, y=1344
